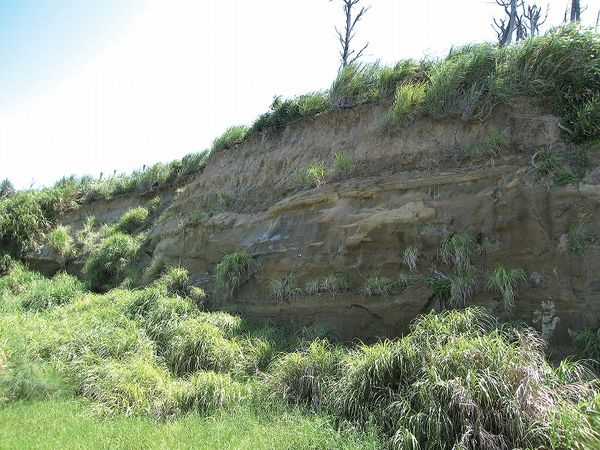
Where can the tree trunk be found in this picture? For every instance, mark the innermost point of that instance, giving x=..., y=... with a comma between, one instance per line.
x=575, y=11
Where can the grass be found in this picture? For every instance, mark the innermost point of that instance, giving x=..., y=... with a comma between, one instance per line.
x=505, y=283
x=328, y=284
x=132, y=220
x=463, y=285
x=233, y=271
x=60, y=241
x=458, y=250
x=283, y=112
x=315, y=174
x=579, y=238
x=67, y=424
x=108, y=263
x=230, y=138
x=151, y=359
x=378, y=285
x=589, y=343
x=284, y=288
x=411, y=257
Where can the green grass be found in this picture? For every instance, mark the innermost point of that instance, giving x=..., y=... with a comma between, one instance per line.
x=328, y=284
x=67, y=424
x=151, y=357
x=589, y=343
x=411, y=257
x=458, y=250
x=60, y=240
x=315, y=174
x=283, y=112
x=379, y=285
x=132, y=220
x=233, y=271
x=230, y=138
x=505, y=283
x=284, y=288
x=109, y=262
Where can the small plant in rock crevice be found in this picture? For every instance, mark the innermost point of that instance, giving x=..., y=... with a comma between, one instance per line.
x=328, y=284
x=379, y=285
x=411, y=257
x=233, y=271
x=505, y=282
x=284, y=288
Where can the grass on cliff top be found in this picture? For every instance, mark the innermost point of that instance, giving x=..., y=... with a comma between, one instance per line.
x=559, y=70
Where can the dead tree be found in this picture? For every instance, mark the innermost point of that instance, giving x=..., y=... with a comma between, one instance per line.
x=505, y=28
x=532, y=19
x=575, y=11
x=347, y=54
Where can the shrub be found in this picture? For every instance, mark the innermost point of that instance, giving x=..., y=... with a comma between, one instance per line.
x=44, y=293
x=411, y=257
x=23, y=222
x=304, y=377
x=284, y=288
x=233, y=271
x=378, y=285
x=329, y=284
x=441, y=287
x=505, y=282
x=230, y=138
x=109, y=262
x=6, y=189
x=131, y=220
x=60, y=240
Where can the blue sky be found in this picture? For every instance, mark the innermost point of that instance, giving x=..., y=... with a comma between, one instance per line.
x=97, y=86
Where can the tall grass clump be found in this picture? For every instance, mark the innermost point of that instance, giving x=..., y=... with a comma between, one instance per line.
x=60, y=240
x=505, y=282
x=175, y=281
x=458, y=381
x=230, y=138
x=108, y=263
x=589, y=343
x=379, y=285
x=131, y=220
x=355, y=84
x=195, y=345
x=233, y=271
x=205, y=392
x=45, y=293
x=305, y=377
x=458, y=250
x=282, y=112
x=328, y=284
x=284, y=288
x=411, y=257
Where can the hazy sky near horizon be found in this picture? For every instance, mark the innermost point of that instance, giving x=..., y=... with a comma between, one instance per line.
x=89, y=87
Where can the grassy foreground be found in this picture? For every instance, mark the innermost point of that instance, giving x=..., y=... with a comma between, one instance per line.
x=147, y=368
x=54, y=424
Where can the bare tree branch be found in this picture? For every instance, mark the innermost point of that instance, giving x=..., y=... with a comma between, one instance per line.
x=345, y=38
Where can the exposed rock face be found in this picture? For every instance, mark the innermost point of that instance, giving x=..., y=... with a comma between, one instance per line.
x=416, y=186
